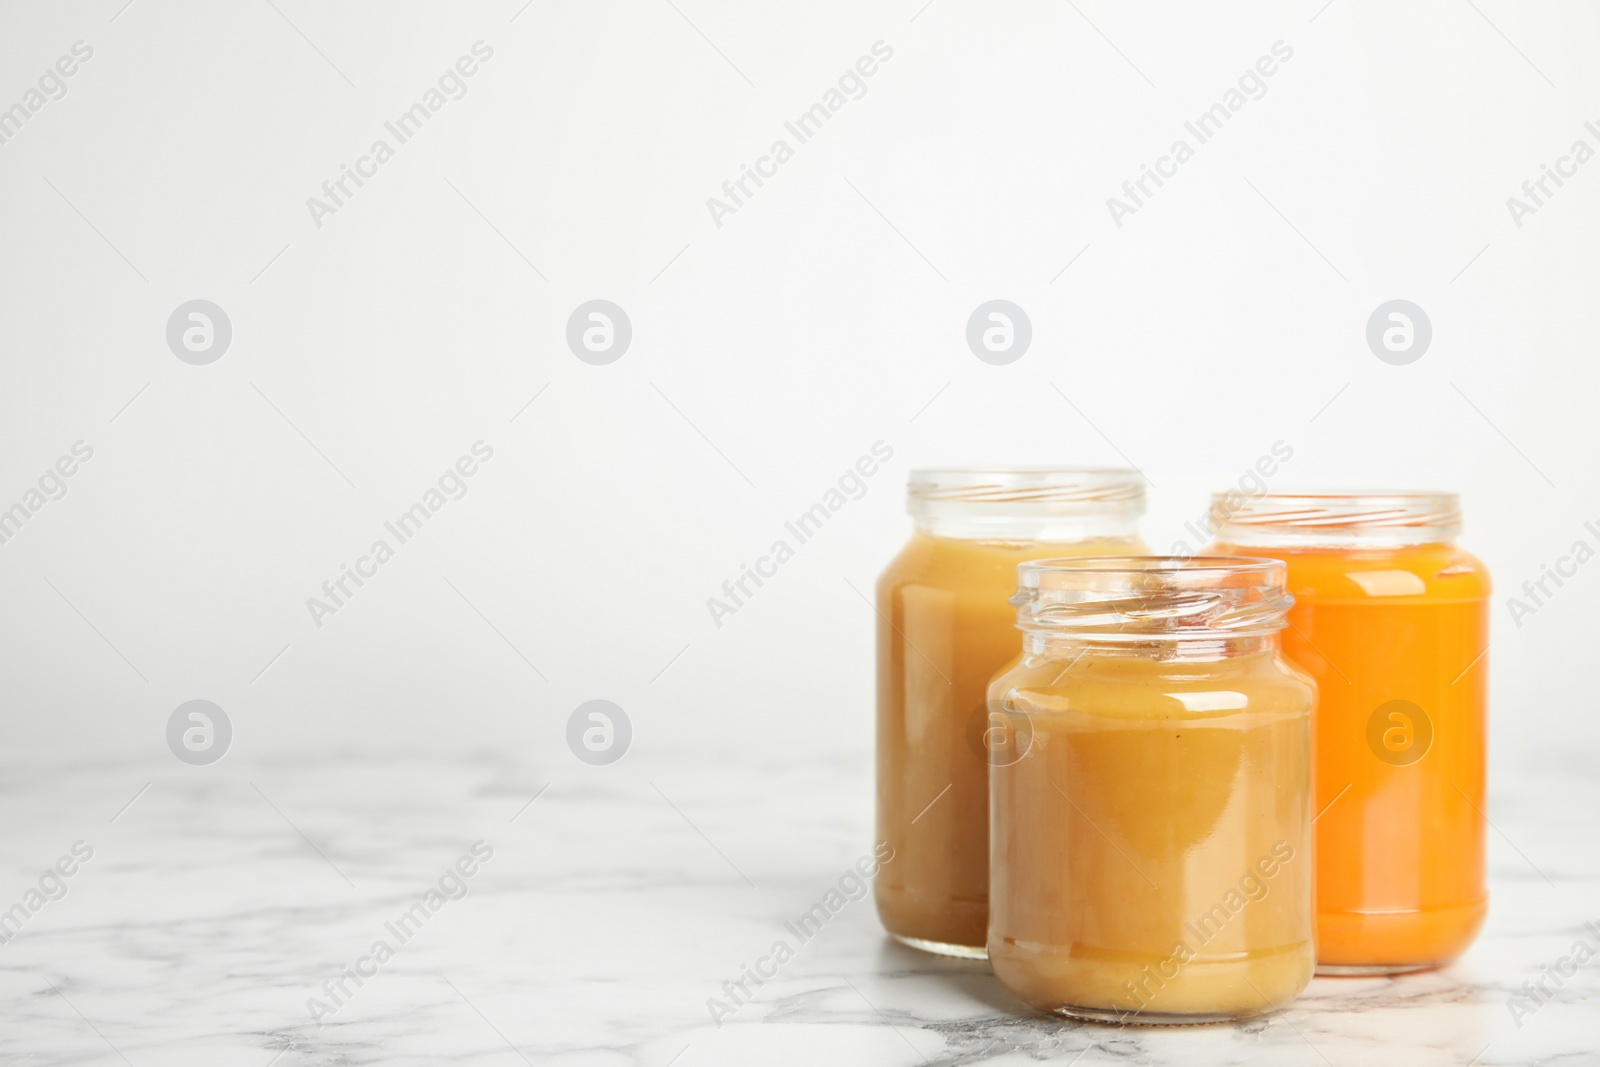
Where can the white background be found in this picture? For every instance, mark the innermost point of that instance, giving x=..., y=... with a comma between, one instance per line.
x=768, y=353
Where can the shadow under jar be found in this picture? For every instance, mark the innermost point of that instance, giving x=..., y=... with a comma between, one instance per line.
x=1392, y=619
x=1150, y=819
x=945, y=626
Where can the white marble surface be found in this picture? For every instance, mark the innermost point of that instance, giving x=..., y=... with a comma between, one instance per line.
x=613, y=908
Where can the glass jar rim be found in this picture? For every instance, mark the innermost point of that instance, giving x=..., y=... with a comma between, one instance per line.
x=1263, y=565
x=1153, y=598
x=1373, y=516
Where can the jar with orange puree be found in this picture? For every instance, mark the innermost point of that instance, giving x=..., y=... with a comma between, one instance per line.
x=1150, y=824
x=945, y=626
x=1392, y=620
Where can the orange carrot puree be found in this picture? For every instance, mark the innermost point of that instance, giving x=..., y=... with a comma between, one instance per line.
x=1394, y=638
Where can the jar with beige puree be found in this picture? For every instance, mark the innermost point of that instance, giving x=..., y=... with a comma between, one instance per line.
x=1150, y=812
x=945, y=626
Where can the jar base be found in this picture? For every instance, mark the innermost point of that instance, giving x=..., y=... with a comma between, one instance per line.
x=1151, y=1018
x=942, y=948
x=1394, y=941
x=1370, y=970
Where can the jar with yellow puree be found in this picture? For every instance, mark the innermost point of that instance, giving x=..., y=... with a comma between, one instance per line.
x=1150, y=822
x=1392, y=619
x=945, y=626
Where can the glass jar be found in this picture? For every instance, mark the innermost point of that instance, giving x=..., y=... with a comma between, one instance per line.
x=1392, y=619
x=945, y=626
x=1150, y=824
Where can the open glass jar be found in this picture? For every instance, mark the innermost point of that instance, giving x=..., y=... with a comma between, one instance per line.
x=1392, y=619
x=945, y=626
x=1150, y=822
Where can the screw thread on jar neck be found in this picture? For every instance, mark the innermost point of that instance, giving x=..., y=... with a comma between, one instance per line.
x=1051, y=504
x=1165, y=607
x=1335, y=519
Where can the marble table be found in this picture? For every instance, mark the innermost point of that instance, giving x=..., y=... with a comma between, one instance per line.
x=545, y=911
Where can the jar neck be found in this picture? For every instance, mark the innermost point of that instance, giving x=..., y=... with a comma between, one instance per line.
x=1056, y=646
x=1263, y=539
x=979, y=522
